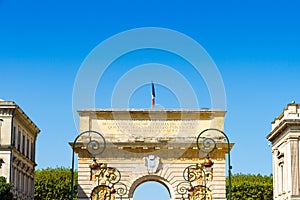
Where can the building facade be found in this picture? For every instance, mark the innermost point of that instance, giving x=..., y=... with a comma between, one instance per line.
x=284, y=137
x=18, y=136
x=149, y=145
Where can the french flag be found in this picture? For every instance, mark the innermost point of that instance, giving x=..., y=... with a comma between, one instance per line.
x=153, y=95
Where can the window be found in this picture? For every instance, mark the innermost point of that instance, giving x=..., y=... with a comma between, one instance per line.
x=25, y=183
x=23, y=145
x=27, y=148
x=19, y=139
x=13, y=137
x=29, y=185
x=15, y=178
x=32, y=151
x=20, y=181
x=13, y=175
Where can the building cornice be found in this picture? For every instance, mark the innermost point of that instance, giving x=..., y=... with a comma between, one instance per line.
x=282, y=126
x=11, y=108
x=152, y=114
x=290, y=116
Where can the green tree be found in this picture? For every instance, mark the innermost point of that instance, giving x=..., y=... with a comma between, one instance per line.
x=54, y=183
x=251, y=187
x=5, y=193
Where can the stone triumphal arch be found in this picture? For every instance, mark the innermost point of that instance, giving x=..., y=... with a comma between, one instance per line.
x=151, y=145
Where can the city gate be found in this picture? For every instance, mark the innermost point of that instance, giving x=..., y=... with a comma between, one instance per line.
x=120, y=149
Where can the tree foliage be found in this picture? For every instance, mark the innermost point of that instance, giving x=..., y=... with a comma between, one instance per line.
x=5, y=188
x=54, y=183
x=251, y=187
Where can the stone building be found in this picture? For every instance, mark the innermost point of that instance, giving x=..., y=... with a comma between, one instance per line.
x=284, y=137
x=150, y=145
x=17, y=149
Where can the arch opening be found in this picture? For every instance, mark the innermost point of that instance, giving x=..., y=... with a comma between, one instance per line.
x=151, y=190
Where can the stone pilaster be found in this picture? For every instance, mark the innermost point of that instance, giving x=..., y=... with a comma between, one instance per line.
x=294, y=159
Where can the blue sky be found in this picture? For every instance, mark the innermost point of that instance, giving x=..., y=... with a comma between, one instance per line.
x=255, y=45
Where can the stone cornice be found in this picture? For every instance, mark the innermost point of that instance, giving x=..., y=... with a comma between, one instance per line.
x=282, y=126
x=152, y=114
x=11, y=108
x=292, y=111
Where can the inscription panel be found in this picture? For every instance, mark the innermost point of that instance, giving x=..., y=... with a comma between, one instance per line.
x=150, y=128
